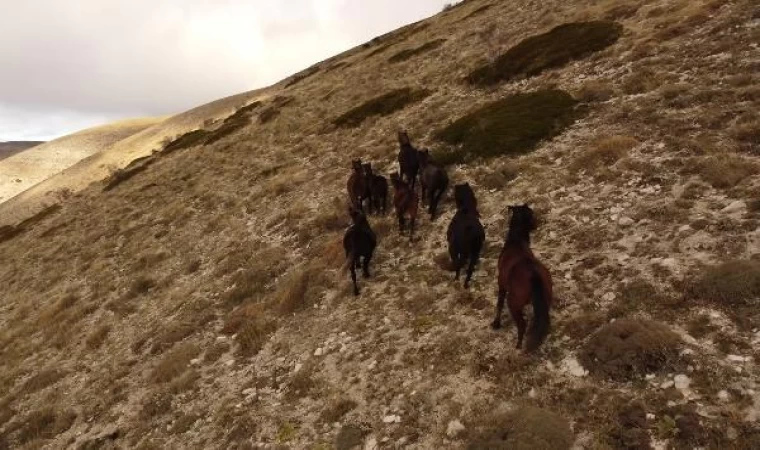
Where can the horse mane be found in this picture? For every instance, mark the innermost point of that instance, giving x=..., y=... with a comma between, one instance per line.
x=520, y=227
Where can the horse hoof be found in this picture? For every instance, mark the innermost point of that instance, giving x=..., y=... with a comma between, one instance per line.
x=356, y=293
x=496, y=325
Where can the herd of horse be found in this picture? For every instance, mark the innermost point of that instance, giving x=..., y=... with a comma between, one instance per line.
x=522, y=278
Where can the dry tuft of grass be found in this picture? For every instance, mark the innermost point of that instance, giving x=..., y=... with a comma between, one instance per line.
x=252, y=334
x=43, y=424
x=174, y=363
x=98, y=336
x=627, y=348
x=595, y=91
x=526, y=428
x=561, y=45
x=410, y=53
x=382, y=105
x=43, y=379
x=512, y=126
x=337, y=409
x=721, y=172
x=733, y=286
x=604, y=153
x=300, y=290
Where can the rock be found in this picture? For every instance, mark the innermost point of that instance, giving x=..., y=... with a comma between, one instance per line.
x=533, y=393
x=454, y=429
x=392, y=419
x=650, y=377
x=195, y=362
x=319, y=351
x=668, y=384
x=724, y=396
x=371, y=443
x=735, y=207
x=651, y=416
x=571, y=366
x=608, y=297
x=298, y=367
x=249, y=392
x=682, y=382
x=372, y=365
x=625, y=221
x=737, y=358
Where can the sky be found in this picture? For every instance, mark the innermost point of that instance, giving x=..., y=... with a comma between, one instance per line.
x=69, y=65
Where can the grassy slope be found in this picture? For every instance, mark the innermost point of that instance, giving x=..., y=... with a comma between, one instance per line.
x=8, y=149
x=142, y=309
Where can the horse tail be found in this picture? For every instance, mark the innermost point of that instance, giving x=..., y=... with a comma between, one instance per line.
x=539, y=327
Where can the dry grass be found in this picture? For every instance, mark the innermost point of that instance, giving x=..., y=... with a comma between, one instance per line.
x=174, y=363
x=41, y=380
x=410, y=53
x=595, y=91
x=629, y=348
x=96, y=339
x=301, y=289
x=733, y=286
x=252, y=334
x=604, y=152
x=721, y=172
x=526, y=428
x=43, y=424
x=337, y=409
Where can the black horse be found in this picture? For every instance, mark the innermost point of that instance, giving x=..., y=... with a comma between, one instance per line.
x=433, y=180
x=407, y=159
x=464, y=197
x=466, y=237
x=359, y=243
x=378, y=190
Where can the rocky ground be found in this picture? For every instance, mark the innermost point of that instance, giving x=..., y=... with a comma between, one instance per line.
x=200, y=303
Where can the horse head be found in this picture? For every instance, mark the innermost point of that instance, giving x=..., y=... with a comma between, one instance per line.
x=357, y=165
x=522, y=217
x=403, y=138
x=423, y=157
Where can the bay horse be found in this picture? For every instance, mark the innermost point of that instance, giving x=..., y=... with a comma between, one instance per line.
x=523, y=279
x=433, y=180
x=378, y=190
x=359, y=244
x=407, y=159
x=406, y=201
x=466, y=237
x=357, y=186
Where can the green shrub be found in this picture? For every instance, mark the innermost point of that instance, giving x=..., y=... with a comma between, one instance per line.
x=561, y=45
x=627, y=348
x=511, y=126
x=381, y=106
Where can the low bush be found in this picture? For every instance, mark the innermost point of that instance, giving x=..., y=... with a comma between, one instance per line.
x=383, y=105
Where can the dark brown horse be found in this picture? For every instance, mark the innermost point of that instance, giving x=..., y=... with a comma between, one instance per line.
x=464, y=197
x=466, y=237
x=359, y=243
x=357, y=186
x=407, y=159
x=523, y=279
x=433, y=180
x=378, y=190
x=406, y=201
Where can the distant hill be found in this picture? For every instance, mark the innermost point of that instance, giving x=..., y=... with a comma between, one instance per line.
x=10, y=148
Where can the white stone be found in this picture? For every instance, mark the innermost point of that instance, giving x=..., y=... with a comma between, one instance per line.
x=533, y=393
x=736, y=206
x=319, y=351
x=650, y=376
x=392, y=419
x=298, y=367
x=571, y=366
x=230, y=362
x=668, y=384
x=736, y=358
x=684, y=228
x=454, y=429
x=682, y=382
x=625, y=221
x=610, y=296
x=372, y=365
x=195, y=362
x=724, y=396
x=651, y=416
x=371, y=443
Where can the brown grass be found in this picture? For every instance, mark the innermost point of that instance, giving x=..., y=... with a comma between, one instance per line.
x=382, y=105
x=721, y=172
x=174, y=363
x=98, y=336
x=41, y=380
x=337, y=409
x=45, y=423
x=604, y=153
x=628, y=348
x=733, y=286
x=526, y=428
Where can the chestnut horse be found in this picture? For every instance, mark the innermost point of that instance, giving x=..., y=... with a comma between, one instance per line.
x=406, y=201
x=358, y=186
x=359, y=243
x=523, y=279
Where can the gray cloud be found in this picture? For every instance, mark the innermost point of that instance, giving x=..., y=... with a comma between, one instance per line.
x=93, y=61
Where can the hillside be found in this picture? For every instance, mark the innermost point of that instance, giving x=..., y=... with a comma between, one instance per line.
x=195, y=299
x=22, y=171
x=10, y=148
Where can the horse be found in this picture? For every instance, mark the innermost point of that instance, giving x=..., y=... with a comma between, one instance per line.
x=407, y=159
x=433, y=180
x=359, y=244
x=464, y=198
x=357, y=186
x=466, y=237
x=406, y=202
x=378, y=189
x=523, y=279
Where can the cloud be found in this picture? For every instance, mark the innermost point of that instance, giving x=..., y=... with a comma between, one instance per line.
x=104, y=59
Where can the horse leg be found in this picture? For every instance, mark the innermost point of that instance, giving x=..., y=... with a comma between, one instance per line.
x=412, y=220
x=499, y=307
x=401, y=222
x=365, y=266
x=353, y=275
x=470, y=269
x=519, y=318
